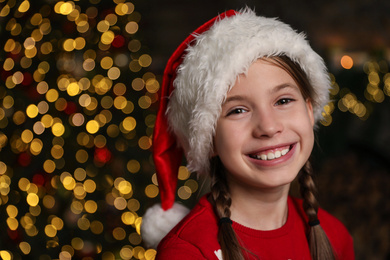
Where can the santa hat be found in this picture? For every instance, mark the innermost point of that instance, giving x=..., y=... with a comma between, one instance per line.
x=196, y=81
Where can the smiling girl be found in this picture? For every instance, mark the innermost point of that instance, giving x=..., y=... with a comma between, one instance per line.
x=241, y=98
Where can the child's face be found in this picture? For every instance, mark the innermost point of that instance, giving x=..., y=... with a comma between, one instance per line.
x=265, y=132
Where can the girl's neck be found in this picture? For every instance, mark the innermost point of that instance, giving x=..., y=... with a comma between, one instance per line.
x=260, y=209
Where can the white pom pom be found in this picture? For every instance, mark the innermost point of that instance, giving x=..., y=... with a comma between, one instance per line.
x=156, y=223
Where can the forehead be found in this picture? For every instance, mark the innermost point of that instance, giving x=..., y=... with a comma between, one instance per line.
x=263, y=74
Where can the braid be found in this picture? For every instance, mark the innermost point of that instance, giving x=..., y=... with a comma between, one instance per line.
x=320, y=247
x=230, y=247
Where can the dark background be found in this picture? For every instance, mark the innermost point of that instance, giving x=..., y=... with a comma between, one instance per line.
x=352, y=154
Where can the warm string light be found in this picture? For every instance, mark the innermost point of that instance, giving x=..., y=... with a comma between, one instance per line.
x=76, y=118
x=345, y=99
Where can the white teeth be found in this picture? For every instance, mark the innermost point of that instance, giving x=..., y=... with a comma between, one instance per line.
x=271, y=156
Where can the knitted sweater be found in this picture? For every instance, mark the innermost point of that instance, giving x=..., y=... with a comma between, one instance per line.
x=195, y=237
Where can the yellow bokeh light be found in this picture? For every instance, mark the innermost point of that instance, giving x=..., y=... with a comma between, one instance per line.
x=76, y=207
x=52, y=95
x=43, y=107
x=3, y=13
x=139, y=252
x=12, y=211
x=133, y=166
x=144, y=102
x=48, y=201
x=124, y=187
x=113, y=73
x=24, y=6
x=47, y=120
x=57, y=151
x=145, y=142
x=92, y=126
x=27, y=136
x=80, y=174
x=66, y=8
x=89, y=186
x=79, y=191
x=23, y=183
x=184, y=192
x=32, y=111
x=151, y=191
x=36, y=146
x=128, y=218
x=120, y=102
x=73, y=89
x=106, y=62
x=69, y=183
x=58, y=129
x=119, y=233
x=8, y=102
x=103, y=26
x=49, y=166
x=8, y=64
x=131, y=27
x=150, y=254
x=50, y=231
x=80, y=42
x=129, y=123
x=90, y=206
x=32, y=199
x=89, y=64
x=97, y=227
x=81, y=156
x=152, y=85
x=184, y=173
x=135, y=239
x=77, y=243
x=145, y=60
x=107, y=37
x=3, y=168
x=25, y=247
x=120, y=203
x=42, y=87
x=57, y=222
x=192, y=184
x=126, y=253
x=12, y=223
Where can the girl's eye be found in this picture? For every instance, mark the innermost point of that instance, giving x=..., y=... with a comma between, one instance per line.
x=284, y=101
x=236, y=111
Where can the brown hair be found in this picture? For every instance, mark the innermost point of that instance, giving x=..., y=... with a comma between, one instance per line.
x=319, y=245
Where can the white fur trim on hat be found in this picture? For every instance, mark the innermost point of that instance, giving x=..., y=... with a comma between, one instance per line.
x=211, y=66
x=156, y=223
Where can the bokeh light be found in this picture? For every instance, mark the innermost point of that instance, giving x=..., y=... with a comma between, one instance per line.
x=74, y=142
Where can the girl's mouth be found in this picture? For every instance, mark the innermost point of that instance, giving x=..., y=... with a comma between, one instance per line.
x=271, y=154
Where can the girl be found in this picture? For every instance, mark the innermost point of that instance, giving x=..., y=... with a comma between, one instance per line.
x=241, y=97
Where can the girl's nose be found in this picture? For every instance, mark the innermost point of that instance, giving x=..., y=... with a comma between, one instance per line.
x=266, y=125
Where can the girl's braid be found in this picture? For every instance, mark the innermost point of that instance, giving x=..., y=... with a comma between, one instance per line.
x=220, y=195
x=320, y=247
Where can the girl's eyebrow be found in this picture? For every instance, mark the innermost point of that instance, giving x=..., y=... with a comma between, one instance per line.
x=233, y=98
x=283, y=86
x=272, y=91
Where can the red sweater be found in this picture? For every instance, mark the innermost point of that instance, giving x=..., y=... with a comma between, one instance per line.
x=195, y=237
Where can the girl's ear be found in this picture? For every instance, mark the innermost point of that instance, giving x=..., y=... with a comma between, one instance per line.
x=309, y=108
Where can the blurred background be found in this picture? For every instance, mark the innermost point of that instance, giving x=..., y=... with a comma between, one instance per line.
x=78, y=97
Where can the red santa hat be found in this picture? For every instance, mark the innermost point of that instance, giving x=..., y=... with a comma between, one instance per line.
x=196, y=81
